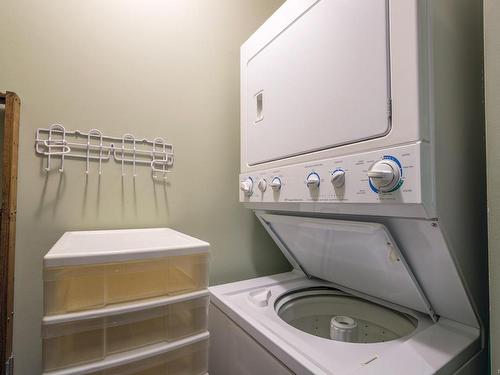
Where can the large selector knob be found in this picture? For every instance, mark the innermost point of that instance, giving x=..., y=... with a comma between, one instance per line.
x=276, y=184
x=313, y=180
x=385, y=175
x=338, y=178
x=246, y=186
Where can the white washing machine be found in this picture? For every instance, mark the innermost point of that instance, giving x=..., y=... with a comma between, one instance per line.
x=362, y=155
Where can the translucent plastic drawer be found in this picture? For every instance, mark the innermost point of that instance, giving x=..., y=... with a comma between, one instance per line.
x=78, y=288
x=188, y=360
x=74, y=343
x=118, y=330
x=166, y=323
x=73, y=288
x=187, y=273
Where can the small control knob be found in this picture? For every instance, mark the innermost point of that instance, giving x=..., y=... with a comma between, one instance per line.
x=246, y=187
x=313, y=181
x=276, y=184
x=338, y=178
x=385, y=175
x=262, y=185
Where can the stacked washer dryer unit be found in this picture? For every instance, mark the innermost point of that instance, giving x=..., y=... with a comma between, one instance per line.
x=362, y=156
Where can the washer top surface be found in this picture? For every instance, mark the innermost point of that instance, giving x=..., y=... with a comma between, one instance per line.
x=256, y=305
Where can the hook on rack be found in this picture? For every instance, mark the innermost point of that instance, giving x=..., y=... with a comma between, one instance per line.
x=91, y=133
x=163, y=161
x=128, y=137
x=60, y=144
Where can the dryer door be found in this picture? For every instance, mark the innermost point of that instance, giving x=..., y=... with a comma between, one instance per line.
x=357, y=255
x=322, y=82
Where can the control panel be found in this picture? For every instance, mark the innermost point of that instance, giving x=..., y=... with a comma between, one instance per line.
x=391, y=175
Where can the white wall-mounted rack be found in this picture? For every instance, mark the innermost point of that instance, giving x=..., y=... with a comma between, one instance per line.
x=57, y=142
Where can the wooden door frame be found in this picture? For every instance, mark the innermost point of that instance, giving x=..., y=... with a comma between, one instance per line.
x=8, y=227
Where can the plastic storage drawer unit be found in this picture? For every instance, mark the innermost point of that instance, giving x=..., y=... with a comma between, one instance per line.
x=74, y=339
x=93, y=269
x=188, y=356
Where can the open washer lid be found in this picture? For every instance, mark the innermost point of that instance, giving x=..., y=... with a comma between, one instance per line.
x=357, y=255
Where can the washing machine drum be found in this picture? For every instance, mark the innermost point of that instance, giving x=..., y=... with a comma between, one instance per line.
x=334, y=315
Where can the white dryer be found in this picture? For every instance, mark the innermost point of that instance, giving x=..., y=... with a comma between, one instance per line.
x=362, y=155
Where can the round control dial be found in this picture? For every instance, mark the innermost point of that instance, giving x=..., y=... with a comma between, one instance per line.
x=262, y=185
x=276, y=184
x=338, y=178
x=313, y=180
x=246, y=186
x=385, y=175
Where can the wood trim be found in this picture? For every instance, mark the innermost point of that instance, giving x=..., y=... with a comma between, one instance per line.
x=8, y=222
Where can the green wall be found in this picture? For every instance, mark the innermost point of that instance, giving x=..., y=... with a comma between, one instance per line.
x=492, y=88
x=151, y=68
